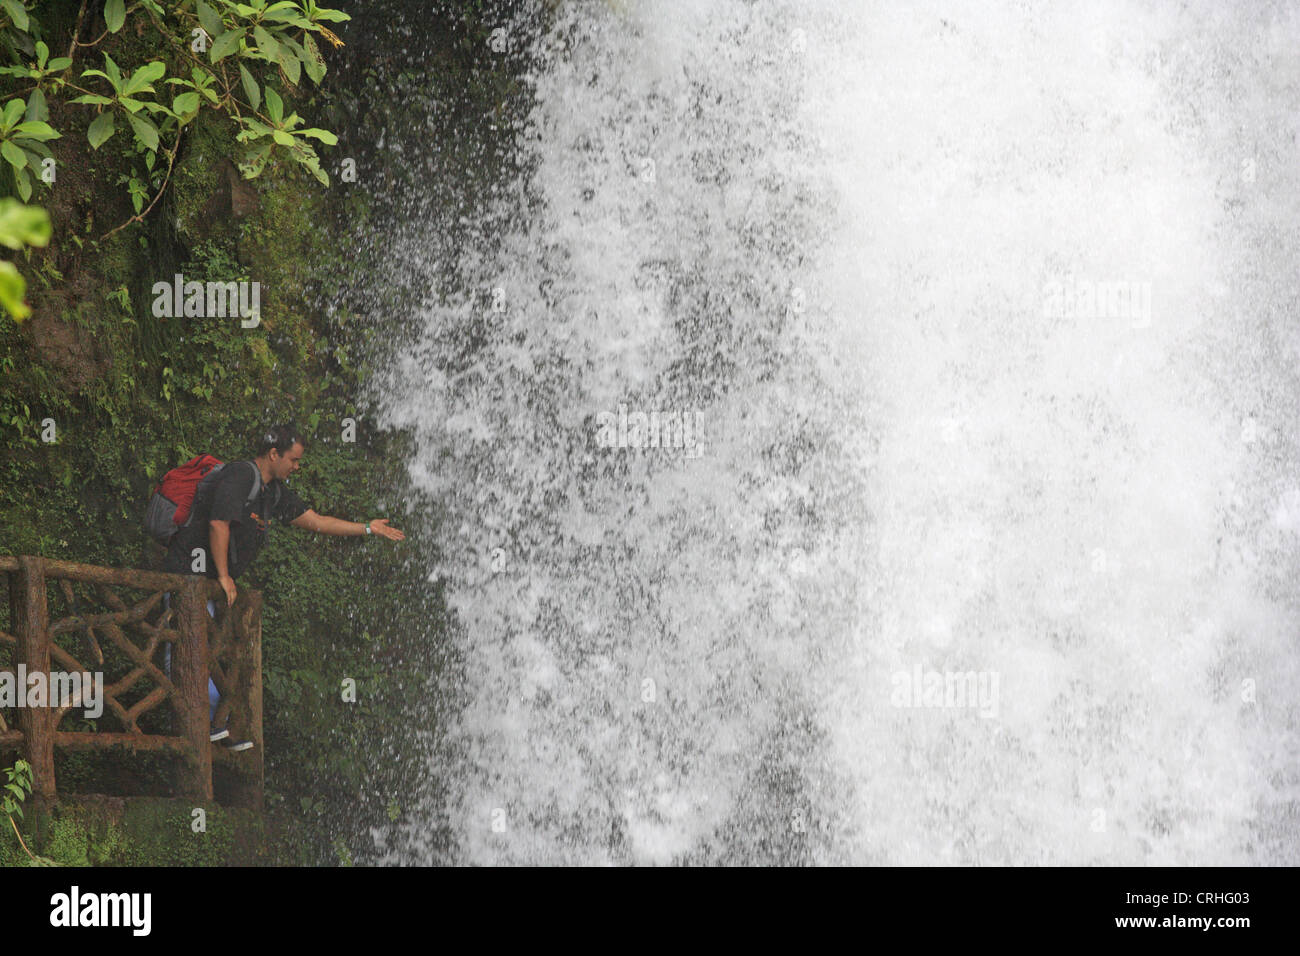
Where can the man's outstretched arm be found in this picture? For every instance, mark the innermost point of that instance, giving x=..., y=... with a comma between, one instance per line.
x=324, y=524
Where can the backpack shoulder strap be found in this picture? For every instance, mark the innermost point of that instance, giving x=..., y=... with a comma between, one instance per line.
x=257, y=482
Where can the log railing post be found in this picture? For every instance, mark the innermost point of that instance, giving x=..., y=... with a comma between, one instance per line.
x=32, y=620
x=246, y=686
x=190, y=675
x=255, y=697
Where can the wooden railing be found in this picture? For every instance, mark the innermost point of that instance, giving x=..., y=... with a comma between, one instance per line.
x=113, y=622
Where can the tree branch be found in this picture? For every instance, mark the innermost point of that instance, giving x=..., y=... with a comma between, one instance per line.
x=76, y=31
x=95, y=42
x=139, y=217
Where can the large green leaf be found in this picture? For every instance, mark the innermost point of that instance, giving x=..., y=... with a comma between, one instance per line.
x=324, y=135
x=17, y=13
x=251, y=89
x=290, y=63
x=115, y=14
x=17, y=159
x=143, y=78
x=210, y=20
x=114, y=74
x=274, y=105
x=38, y=110
x=185, y=104
x=23, y=225
x=13, y=110
x=226, y=44
x=266, y=44
x=145, y=129
x=309, y=159
x=100, y=130
x=313, y=61
x=334, y=16
x=41, y=132
x=285, y=12
x=35, y=153
x=13, y=289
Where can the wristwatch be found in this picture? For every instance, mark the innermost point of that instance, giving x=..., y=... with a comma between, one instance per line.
x=368, y=531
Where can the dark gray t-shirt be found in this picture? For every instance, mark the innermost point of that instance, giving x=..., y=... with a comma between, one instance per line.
x=225, y=498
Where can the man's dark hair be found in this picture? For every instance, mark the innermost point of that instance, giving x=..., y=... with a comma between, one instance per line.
x=281, y=438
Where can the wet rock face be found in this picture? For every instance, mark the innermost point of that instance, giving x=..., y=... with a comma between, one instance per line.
x=233, y=197
x=65, y=343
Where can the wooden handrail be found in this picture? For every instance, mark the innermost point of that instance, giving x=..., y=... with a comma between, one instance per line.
x=121, y=577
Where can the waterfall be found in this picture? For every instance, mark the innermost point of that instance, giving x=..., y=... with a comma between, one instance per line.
x=863, y=436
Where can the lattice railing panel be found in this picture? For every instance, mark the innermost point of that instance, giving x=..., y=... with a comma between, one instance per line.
x=115, y=631
x=78, y=618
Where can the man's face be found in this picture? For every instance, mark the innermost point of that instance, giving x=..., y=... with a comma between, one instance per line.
x=282, y=466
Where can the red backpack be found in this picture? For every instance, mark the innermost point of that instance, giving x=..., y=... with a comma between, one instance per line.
x=169, y=507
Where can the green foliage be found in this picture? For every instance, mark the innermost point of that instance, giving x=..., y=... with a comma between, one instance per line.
x=14, y=24
x=128, y=100
x=114, y=14
x=342, y=852
x=264, y=41
x=146, y=831
x=17, y=788
x=20, y=226
x=283, y=132
x=71, y=843
x=24, y=131
x=23, y=225
x=15, y=12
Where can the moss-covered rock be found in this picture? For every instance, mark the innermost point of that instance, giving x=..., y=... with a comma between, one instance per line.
x=141, y=831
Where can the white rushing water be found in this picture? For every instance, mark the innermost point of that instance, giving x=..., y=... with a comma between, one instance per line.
x=979, y=328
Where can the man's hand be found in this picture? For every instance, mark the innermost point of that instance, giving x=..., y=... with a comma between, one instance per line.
x=228, y=585
x=380, y=527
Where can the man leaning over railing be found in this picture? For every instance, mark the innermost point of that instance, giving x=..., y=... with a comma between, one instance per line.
x=230, y=518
